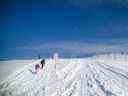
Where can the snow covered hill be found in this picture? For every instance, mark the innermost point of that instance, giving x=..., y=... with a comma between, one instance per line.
x=103, y=75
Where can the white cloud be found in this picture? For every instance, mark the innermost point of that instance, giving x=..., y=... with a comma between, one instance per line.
x=78, y=47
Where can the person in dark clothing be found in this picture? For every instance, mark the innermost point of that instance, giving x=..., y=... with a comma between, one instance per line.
x=37, y=66
x=42, y=63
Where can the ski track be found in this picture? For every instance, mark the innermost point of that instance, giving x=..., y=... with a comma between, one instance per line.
x=73, y=77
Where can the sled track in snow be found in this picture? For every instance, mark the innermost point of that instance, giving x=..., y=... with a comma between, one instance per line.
x=96, y=75
x=78, y=78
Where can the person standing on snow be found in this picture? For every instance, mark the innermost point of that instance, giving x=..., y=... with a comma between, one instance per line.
x=55, y=59
x=40, y=66
x=42, y=63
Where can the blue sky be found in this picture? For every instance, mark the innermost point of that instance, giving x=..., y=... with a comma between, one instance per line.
x=71, y=27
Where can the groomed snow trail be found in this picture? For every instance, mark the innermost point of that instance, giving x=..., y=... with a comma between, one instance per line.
x=72, y=77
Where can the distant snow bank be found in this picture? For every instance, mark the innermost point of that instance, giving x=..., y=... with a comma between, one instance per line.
x=116, y=60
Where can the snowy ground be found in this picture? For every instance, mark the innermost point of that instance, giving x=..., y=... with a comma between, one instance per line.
x=10, y=66
x=104, y=75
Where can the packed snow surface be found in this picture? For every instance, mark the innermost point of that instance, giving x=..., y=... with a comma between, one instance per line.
x=10, y=66
x=104, y=75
